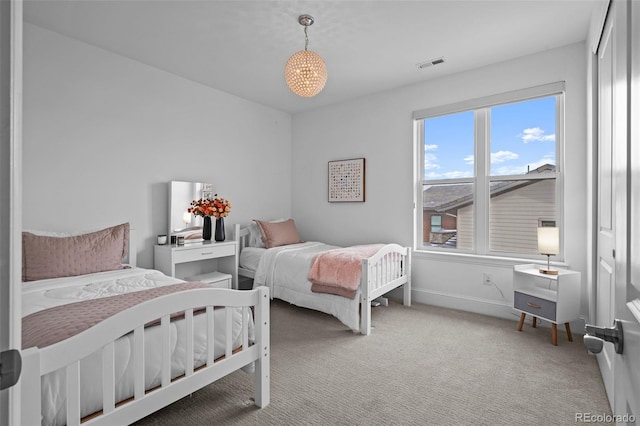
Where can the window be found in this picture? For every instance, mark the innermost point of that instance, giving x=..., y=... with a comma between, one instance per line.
x=488, y=172
x=436, y=223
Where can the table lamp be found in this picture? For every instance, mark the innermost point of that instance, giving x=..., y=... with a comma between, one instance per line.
x=548, y=244
x=186, y=218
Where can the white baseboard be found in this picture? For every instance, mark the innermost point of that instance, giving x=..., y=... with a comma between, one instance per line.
x=476, y=305
x=464, y=303
x=479, y=306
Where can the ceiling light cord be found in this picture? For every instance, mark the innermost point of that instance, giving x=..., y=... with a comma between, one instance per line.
x=306, y=38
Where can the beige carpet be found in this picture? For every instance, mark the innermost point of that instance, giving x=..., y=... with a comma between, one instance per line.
x=421, y=366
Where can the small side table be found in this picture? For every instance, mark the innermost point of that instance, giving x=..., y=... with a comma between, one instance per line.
x=554, y=298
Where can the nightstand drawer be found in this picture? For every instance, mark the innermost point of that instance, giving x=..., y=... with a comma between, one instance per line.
x=534, y=305
x=201, y=253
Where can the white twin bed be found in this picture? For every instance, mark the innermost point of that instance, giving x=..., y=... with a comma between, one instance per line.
x=285, y=270
x=143, y=357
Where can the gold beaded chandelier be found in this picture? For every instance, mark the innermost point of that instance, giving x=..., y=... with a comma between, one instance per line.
x=305, y=72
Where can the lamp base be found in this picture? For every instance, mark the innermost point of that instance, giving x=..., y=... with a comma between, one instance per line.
x=548, y=271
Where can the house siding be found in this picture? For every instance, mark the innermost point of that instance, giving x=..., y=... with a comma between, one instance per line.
x=465, y=228
x=514, y=217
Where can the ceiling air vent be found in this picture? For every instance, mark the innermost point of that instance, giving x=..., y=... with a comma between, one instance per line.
x=431, y=63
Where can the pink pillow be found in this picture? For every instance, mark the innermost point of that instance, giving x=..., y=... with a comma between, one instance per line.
x=276, y=234
x=53, y=257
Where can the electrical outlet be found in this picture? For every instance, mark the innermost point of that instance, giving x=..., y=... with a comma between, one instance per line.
x=486, y=279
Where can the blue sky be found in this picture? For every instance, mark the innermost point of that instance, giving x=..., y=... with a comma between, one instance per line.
x=522, y=134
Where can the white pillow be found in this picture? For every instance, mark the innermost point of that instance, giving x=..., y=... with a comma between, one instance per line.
x=255, y=236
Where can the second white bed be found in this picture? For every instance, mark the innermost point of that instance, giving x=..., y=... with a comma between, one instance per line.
x=285, y=269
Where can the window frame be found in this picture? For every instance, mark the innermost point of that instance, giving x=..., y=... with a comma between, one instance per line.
x=482, y=169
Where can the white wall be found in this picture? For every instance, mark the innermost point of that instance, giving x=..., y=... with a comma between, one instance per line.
x=380, y=128
x=104, y=134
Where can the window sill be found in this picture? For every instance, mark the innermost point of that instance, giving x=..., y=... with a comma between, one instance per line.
x=470, y=258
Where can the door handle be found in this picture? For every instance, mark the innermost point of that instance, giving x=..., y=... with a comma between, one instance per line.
x=595, y=337
x=10, y=368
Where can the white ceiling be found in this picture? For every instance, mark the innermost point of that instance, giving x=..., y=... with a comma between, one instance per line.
x=241, y=46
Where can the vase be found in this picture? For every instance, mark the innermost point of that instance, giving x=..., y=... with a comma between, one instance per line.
x=206, y=229
x=220, y=229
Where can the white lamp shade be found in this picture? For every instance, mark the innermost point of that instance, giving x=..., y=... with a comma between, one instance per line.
x=548, y=240
x=305, y=73
x=186, y=217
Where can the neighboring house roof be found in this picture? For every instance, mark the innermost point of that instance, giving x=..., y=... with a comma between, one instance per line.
x=441, y=198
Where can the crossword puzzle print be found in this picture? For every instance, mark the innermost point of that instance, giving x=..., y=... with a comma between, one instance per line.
x=346, y=180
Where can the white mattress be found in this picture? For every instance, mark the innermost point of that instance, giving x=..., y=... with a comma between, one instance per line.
x=285, y=269
x=39, y=295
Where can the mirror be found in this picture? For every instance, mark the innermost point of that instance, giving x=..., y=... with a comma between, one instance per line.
x=182, y=223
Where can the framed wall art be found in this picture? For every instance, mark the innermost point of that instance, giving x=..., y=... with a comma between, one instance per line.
x=346, y=180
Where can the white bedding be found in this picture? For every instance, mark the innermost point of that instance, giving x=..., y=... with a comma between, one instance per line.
x=250, y=257
x=39, y=295
x=285, y=269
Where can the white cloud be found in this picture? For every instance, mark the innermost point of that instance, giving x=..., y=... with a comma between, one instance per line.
x=430, y=159
x=547, y=159
x=430, y=162
x=536, y=134
x=522, y=169
x=502, y=156
x=449, y=175
x=469, y=159
x=457, y=174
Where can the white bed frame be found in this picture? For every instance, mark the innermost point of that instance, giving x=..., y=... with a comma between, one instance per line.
x=386, y=270
x=68, y=353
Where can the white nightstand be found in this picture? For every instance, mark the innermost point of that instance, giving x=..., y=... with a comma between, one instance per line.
x=224, y=254
x=555, y=298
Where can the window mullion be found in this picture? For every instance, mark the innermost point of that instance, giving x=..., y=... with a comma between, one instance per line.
x=418, y=203
x=560, y=171
x=481, y=187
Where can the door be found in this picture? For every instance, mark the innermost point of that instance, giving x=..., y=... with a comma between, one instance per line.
x=618, y=250
x=627, y=288
x=605, y=264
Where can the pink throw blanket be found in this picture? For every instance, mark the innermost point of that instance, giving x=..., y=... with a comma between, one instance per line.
x=49, y=326
x=338, y=271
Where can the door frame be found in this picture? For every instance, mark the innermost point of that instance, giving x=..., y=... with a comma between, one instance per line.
x=11, y=51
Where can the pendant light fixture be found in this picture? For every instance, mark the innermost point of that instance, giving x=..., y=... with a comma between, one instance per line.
x=305, y=72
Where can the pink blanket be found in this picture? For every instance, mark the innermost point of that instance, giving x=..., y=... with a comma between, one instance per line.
x=338, y=271
x=49, y=326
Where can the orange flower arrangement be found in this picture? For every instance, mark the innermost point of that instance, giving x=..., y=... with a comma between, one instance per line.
x=218, y=207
